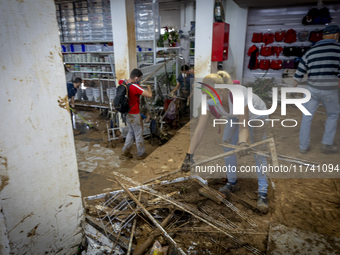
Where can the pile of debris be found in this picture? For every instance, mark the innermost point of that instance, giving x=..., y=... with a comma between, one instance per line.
x=183, y=216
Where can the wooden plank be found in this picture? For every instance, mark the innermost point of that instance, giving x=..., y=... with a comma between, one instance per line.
x=206, y=193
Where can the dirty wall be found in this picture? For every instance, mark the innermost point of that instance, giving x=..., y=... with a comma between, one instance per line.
x=39, y=186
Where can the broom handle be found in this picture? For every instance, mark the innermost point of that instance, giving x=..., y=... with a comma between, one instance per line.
x=81, y=117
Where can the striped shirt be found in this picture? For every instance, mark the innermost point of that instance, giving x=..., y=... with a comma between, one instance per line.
x=322, y=64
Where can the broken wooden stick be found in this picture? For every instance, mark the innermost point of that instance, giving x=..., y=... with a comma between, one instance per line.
x=206, y=193
x=152, y=236
x=154, y=221
x=133, y=228
x=210, y=230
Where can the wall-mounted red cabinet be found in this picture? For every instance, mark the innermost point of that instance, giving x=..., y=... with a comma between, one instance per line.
x=220, y=41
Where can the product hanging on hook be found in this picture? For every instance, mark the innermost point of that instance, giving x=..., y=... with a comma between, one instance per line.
x=268, y=37
x=280, y=35
x=257, y=38
x=219, y=11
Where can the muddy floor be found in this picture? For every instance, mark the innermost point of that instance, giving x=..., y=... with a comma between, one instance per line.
x=310, y=204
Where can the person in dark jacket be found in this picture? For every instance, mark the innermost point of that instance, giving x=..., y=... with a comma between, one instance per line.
x=71, y=92
x=185, y=82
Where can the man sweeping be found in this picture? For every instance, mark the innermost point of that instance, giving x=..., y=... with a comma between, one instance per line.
x=71, y=92
x=184, y=83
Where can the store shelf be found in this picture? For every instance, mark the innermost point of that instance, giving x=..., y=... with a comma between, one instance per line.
x=89, y=63
x=90, y=72
x=92, y=52
x=75, y=42
x=145, y=51
x=167, y=48
x=144, y=40
x=96, y=79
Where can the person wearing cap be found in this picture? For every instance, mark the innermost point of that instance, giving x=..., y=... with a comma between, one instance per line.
x=321, y=63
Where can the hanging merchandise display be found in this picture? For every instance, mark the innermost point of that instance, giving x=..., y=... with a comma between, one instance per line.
x=290, y=36
x=266, y=51
x=315, y=16
x=315, y=36
x=303, y=36
x=276, y=40
x=257, y=37
x=277, y=50
x=288, y=64
x=219, y=11
x=264, y=64
x=290, y=51
x=276, y=64
x=280, y=35
x=253, y=52
x=302, y=50
x=268, y=38
x=325, y=15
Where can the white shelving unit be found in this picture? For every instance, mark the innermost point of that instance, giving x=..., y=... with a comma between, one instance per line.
x=89, y=63
x=88, y=52
x=96, y=79
x=91, y=72
x=80, y=59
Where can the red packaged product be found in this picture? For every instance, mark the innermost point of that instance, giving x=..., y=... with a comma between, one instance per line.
x=268, y=38
x=264, y=64
x=266, y=51
x=257, y=38
x=276, y=64
x=316, y=36
x=277, y=50
x=290, y=36
x=280, y=35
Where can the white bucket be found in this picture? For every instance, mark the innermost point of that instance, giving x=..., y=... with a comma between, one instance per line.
x=111, y=93
x=89, y=94
x=96, y=94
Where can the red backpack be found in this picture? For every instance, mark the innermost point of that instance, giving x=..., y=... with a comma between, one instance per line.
x=290, y=36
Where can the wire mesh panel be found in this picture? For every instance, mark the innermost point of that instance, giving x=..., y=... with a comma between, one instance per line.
x=108, y=213
x=170, y=67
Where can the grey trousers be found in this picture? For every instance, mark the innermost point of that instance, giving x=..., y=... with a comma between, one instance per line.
x=135, y=133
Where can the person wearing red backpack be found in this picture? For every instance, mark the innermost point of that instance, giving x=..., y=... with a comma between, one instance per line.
x=233, y=134
x=133, y=117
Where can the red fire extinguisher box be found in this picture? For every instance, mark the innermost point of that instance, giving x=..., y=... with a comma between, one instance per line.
x=220, y=41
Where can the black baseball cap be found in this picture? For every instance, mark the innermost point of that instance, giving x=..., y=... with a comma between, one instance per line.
x=332, y=29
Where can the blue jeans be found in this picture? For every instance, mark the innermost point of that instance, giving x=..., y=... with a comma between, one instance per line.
x=330, y=101
x=230, y=136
